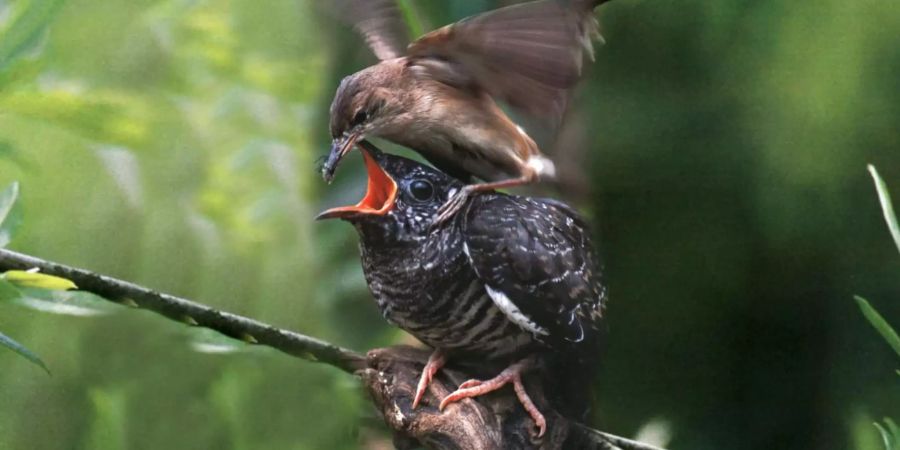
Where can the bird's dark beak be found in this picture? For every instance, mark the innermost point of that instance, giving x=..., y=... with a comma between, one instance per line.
x=339, y=147
x=381, y=192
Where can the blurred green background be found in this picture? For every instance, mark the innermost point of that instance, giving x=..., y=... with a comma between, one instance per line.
x=719, y=147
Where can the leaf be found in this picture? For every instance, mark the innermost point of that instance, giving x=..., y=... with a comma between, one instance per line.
x=26, y=30
x=892, y=427
x=9, y=343
x=890, y=434
x=70, y=303
x=38, y=280
x=10, y=213
x=879, y=323
x=885, y=436
x=885, y=198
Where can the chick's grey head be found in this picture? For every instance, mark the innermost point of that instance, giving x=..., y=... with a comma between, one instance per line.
x=402, y=197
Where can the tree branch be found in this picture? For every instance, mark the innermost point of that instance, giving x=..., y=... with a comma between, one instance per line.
x=390, y=375
x=232, y=325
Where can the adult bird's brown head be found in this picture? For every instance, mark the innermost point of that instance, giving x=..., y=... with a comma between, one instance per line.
x=368, y=103
x=439, y=96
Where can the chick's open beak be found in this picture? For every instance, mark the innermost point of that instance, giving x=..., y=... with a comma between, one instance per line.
x=381, y=193
x=339, y=147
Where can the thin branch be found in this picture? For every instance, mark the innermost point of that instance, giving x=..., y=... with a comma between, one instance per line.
x=389, y=374
x=182, y=310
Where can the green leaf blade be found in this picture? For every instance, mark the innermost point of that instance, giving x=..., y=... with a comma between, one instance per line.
x=886, y=206
x=20, y=349
x=26, y=29
x=10, y=213
x=881, y=325
x=889, y=434
x=69, y=303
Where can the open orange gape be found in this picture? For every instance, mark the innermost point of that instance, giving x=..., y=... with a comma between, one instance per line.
x=381, y=193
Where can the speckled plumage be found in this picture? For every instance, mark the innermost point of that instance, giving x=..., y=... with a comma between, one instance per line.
x=507, y=277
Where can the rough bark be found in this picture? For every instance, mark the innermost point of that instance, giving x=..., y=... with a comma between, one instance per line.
x=493, y=421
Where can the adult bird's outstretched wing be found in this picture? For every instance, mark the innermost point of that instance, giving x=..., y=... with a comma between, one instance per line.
x=380, y=24
x=528, y=55
x=538, y=263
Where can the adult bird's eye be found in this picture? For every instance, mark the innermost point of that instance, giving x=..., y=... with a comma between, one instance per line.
x=421, y=190
x=359, y=118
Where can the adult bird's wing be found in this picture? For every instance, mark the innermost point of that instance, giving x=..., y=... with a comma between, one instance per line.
x=380, y=24
x=537, y=261
x=528, y=55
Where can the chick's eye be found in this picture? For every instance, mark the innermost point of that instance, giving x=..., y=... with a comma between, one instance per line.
x=359, y=118
x=421, y=190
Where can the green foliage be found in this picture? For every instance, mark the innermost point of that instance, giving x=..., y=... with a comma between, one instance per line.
x=107, y=425
x=173, y=143
x=71, y=303
x=886, y=206
x=26, y=29
x=8, y=292
x=411, y=18
x=8, y=151
x=10, y=281
x=208, y=341
x=890, y=433
x=8, y=342
x=34, y=279
x=10, y=213
x=890, y=218
x=881, y=325
x=9, y=221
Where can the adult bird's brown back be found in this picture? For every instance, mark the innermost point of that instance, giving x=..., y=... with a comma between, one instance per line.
x=439, y=95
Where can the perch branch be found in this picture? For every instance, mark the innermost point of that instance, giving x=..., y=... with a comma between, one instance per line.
x=390, y=375
x=232, y=325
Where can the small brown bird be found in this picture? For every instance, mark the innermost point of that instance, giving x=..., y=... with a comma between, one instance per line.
x=439, y=95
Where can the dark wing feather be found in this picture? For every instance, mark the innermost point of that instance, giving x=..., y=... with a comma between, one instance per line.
x=380, y=24
x=537, y=256
x=528, y=55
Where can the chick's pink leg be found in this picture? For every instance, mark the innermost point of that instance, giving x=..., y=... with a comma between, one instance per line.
x=512, y=374
x=435, y=362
